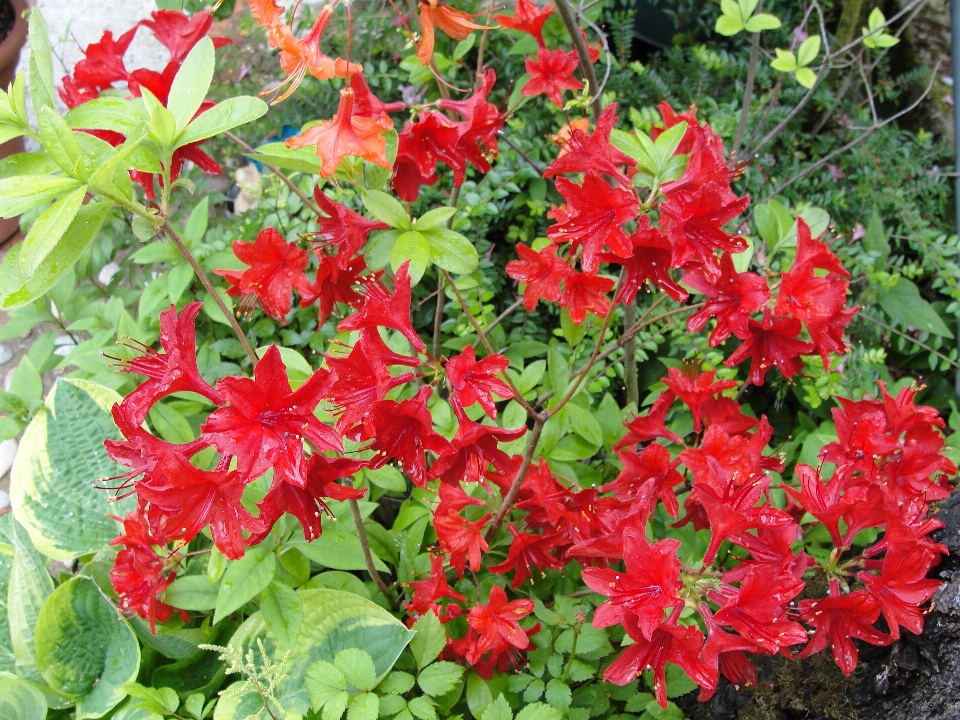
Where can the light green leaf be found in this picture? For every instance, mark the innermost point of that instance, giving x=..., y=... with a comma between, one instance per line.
x=582, y=422
x=429, y=641
x=280, y=156
x=59, y=140
x=283, y=612
x=499, y=709
x=324, y=683
x=558, y=694
x=876, y=240
x=876, y=19
x=763, y=21
x=808, y=50
x=365, y=706
x=668, y=142
x=60, y=456
x=192, y=82
x=22, y=193
x=729, y=25
x=178, y=281
x=396, y=683
x=198, y=222
x=84, y=649
x=357, y=667
x=19, y=700
x=41, y=63
x=411, y=246
x=30, y=586
x=107, y=113
x=338, y=550
x=439, y=678
x=386, y=208
x=747, y=7
x=48, y=229
x=165, y=699
x=806, y=77
x=192, y=592
x=539, y=711
x=905, y=306
x=785, y=61
x=434, y=218
x=244, y=580
x=225, y=116
x=386, y=477
x=464, y=46
x=452, y=251
x=422, y=708
x=332, y=621
x=479, y=695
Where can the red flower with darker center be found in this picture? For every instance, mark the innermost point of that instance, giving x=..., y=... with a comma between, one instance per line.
x=552, y=73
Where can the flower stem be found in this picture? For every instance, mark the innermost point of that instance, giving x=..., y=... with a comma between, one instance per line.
x=368, y=558
x=205, y=281
x=511, y=495
x=569, y=17
x=630, y=357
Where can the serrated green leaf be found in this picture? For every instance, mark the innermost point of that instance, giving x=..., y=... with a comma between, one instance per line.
x=192, y=82
x=396, y=683
x=439, y=678
x=244, y=580
x=387, y=209
x=324, y=683
x=499, y=709
x=48, y=229
x=364, y=706
x=558, y=694
x=357, y=667
x=539, y=711
x=429, y=641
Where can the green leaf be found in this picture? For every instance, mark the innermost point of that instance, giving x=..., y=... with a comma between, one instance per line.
x=84, y=649
x=192, y=592
x=539, y=711
x=244, y=580
x=429, y=641
x=411, y=246
x=27, y=383
x=30, y=586
x=422, y=708
x=762, y=21
x=332, y=621
x=479, y=695
x=192, y=82
x=905, y=306
x=365, y=706
x=558, y=370
x=19, y=700
x=41, y=63
x=280, y=156
x=16, y=291
x=386, y=477
x=60, y=456
x=225, y=116
x=435, y=218
x=747, y=7
x=582, y=422
x=282, y=612
x=452, y=251
x=806, y=77
x=107, y=113
x=324, y=683
x=198, y=222
x=22, y=193
x=499, y=709
x=808, y=50
x=59, y=140
x=558, y=694
x=729, y=25
x=178, y=280
x=357, y=667
x=439, y=678
x=199, y=671
x=338, y=550
x=785, y=61
x=668, y=142
x=166, y=699
x=464, y=46
x=386, y=209
x=48, y=229
x=876, y=241
x=396, y=683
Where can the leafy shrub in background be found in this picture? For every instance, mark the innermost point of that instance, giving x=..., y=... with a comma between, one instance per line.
x=428, y=491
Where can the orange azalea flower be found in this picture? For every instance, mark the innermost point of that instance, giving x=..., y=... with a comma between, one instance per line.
x=347, y=134
x=455, y=23
x=299, y=57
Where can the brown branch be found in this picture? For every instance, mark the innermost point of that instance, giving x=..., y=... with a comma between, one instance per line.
x=438, y=318
x=748, y=90
x=368, y=558
x=511, y=495
x=276, y=171
x=205, y=281
x=568, y=15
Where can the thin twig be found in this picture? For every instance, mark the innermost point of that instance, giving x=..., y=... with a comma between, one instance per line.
x=276, y=171
x=630, y=379
x=748, y=90
x=438, y=318
x=500, y=318
x=205, y=281
x=368, y=558
x=905, y=336
x=511, y=495
x=540, y=171
x=569, y=18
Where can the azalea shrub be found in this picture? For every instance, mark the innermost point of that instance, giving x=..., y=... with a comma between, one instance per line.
x=422, y=499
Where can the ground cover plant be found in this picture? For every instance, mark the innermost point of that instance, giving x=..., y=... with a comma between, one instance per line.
x=478, y=409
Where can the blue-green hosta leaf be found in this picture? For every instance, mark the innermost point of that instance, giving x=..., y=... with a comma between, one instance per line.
x=332, y=621
x=61, y=455
x=8, y=661
x=85, y=650
x=19, y=700
x=283, y=612
x=30, y=586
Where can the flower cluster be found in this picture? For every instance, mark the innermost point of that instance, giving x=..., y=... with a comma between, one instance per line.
x=103, y=67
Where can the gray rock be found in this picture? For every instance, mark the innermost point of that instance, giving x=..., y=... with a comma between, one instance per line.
x=6, y=354
x=8, y=451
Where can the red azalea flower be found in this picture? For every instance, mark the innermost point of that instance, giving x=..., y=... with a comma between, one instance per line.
x=403, y=431
x=651, y=259
x=380, y=309
x=481, y=123
x=596, y=215
x=541, y=272
x=334, y=284
x=188, y=499
x=307, y=503
x=694, y=389
x=139, y=574
x=694, y=225
x=266, y=422
x=276, y=268
x=652, y=425
x=528, y=551
x=723, y=652
x=343, y=228
x=475, y=381
x=462, y=539
x=179, y=33
x=473, y=448
x=838, y=619
x=726, y=414
x=421, y=145
x=772, y=342
x=427, y=592
x=640, y=594
x=174, y=370
x=733, y=298
x=583, y=292
x=552, y=73
x=454, y=499
x=499, y=621
x=100, y=68
x=594, y=152
x=528, y=18
x=653, y=465
x=824, y=502
x=455, y=23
